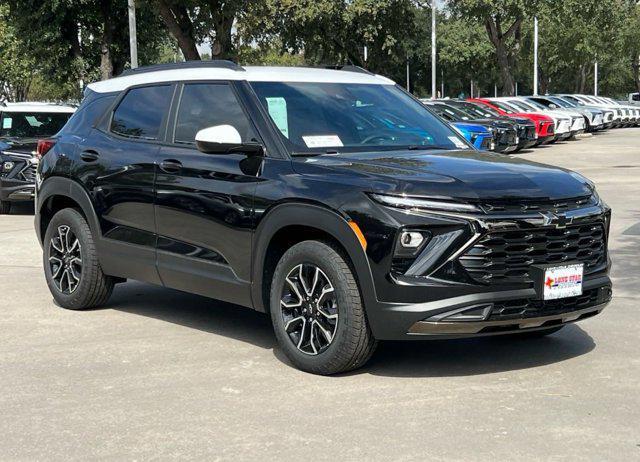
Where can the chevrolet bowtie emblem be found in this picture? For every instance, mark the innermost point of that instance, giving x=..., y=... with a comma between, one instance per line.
x=559, y=221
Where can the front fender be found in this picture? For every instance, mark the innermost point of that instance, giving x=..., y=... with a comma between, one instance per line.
x=323, y=219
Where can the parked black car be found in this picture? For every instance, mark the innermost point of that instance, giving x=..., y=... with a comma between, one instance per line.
x=505, y=135
x=330, y=199
x=21, y=125
x=526, y=129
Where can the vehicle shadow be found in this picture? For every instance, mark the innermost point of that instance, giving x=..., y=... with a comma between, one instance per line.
x=193, y=311
x=465, y=357
x=22, y=208
x=435, y=358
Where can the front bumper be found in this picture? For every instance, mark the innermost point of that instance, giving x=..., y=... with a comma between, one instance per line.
x=468, y=286
x=16, y=191
x=429, y=320
x=17, y=184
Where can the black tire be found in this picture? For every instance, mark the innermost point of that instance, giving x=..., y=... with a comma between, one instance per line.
x=352, y=342
x=5, y=208
x=538, y=333
x=93, y=287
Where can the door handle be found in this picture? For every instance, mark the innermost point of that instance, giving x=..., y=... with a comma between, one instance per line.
x=89, y=156
x=170, y=166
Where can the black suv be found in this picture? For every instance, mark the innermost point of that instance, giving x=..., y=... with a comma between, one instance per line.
x=331, y=199
x=21, y=126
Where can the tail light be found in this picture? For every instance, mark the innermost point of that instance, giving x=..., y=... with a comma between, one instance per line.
x=44, y=146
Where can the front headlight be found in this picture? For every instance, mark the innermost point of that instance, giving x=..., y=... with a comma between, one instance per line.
x=408, y=202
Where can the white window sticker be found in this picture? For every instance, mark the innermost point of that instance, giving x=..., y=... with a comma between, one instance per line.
x=278, y=111
x=322, y=141
x=7, y=122
x=458, y=142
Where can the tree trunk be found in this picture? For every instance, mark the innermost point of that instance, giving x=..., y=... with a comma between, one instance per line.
x=581, y=80
x=506, y=62
x=179, y=24
x=106, y=62
x=223, y=17
x=635, y=66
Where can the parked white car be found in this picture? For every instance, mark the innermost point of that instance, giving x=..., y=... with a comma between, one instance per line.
x=562, y=122
x=593, y=117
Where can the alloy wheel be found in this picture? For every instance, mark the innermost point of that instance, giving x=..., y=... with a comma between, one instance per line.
x=309, y=309
x=65, y=260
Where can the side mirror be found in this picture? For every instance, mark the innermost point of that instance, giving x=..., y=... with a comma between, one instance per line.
x=225, y=139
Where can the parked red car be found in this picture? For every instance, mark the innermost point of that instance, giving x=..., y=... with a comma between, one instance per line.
x=544, y=124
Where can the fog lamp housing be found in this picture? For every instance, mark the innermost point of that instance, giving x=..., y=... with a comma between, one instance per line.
x=7, y=166
x=410, y=242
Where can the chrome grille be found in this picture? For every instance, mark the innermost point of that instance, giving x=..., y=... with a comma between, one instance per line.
x=506, y=256
x=524, y=206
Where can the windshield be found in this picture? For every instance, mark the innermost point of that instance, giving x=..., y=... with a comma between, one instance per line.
x=31, y=124
x=476, y=110
x=535, y=103
x=504, y=106
x=331, y=117
x=521, y=105
x=453, y=112
x=561, y=102
x=574, y=99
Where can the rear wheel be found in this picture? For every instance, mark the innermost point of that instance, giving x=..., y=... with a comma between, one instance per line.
x=5, y=207
x=317, y=311
x=71, y=265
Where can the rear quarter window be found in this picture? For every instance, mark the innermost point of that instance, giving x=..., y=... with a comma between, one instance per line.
x=141, y=112
x=88, y=115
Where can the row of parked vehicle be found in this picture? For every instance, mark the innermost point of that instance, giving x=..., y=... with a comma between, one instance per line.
x=505, y=125
x=510, y=124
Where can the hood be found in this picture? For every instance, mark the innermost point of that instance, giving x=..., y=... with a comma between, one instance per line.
x=498, y=123
x=471, y=127
x=466, y=175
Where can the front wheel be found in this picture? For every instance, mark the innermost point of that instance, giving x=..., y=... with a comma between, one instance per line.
x=317, y=311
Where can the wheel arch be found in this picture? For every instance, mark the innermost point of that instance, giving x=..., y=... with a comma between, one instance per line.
x=57, y=193
x=290, y=223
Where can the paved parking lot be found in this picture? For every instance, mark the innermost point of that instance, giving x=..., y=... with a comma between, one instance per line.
x=162, y=374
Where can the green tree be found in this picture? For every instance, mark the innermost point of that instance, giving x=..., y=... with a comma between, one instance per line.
x=16, y=69
x=503, y=24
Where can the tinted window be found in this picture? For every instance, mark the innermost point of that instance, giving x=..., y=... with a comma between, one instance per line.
x=205, y=105
x=140, y=113
x=319, y=117
x=88, y=115
x=31, y=124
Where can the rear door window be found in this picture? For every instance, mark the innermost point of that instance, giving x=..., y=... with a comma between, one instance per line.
x=141, y=112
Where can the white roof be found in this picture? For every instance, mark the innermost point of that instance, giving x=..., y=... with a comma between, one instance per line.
x=36, y=107
x=251, y=74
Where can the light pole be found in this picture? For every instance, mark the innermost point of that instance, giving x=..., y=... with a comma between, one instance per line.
x=535, y=56
x=408, y=73
x=433, y=49
x=133, y=41
x=595, y=78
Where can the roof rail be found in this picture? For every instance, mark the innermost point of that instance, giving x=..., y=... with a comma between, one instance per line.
x=215, y=63
x=349, y=68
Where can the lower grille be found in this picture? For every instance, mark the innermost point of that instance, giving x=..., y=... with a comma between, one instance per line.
x=533, y=308
x=506, y=256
